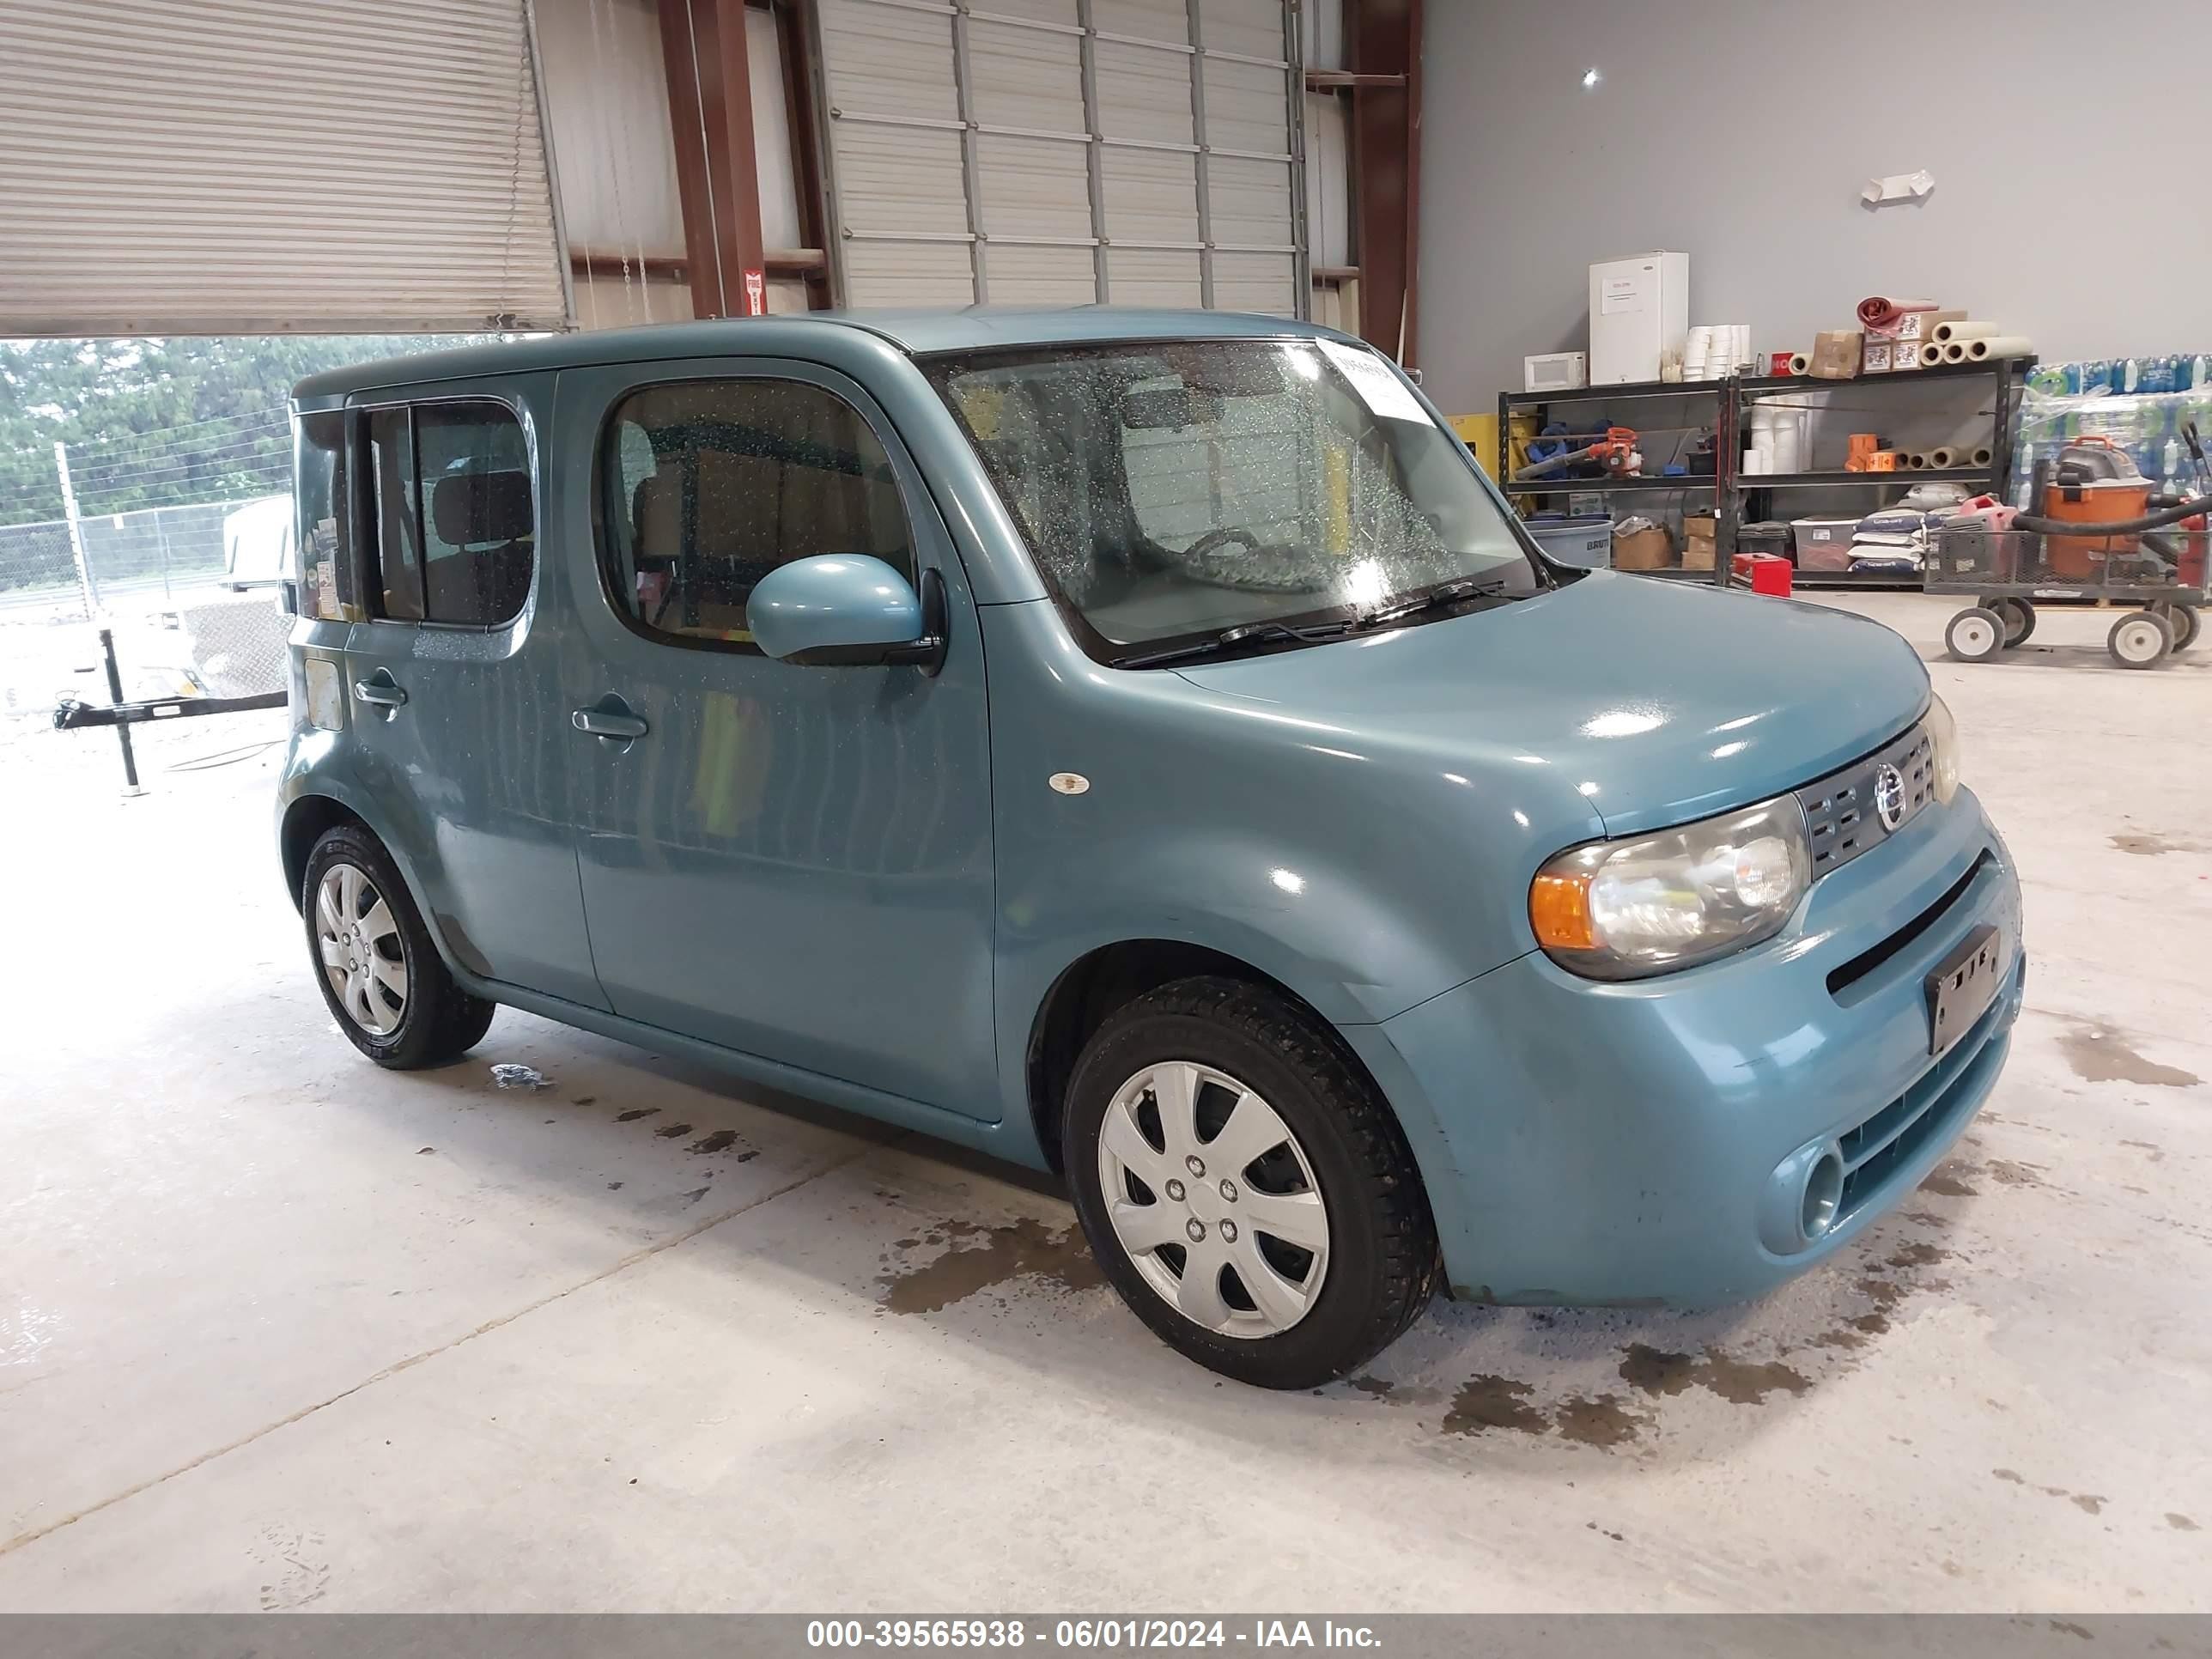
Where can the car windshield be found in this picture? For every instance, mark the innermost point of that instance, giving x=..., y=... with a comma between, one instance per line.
x=1173, y=490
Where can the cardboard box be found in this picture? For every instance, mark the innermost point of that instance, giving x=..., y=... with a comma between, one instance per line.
x=1918, y=326
x=1649, y=549
x=1875, y=355
x=1836, y=355
x=1699, y=531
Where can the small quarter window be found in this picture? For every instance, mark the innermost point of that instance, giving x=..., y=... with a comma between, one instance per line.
x=325, y=532
x=705, y=486
x=449, y=512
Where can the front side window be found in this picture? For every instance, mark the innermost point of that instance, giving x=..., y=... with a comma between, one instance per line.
x=449, y=514
x=1173, y=490
x=705, y=486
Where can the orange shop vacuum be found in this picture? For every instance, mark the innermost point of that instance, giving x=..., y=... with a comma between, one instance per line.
x=2095, y=487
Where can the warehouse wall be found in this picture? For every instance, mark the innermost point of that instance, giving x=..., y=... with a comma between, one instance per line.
x=1693, y=141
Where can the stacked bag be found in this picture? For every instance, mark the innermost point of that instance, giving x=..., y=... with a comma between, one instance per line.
x=1894, y=541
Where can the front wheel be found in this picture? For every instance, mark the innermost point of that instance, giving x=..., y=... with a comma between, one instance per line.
x=1245, y=1189
x=1975, y=634
x=379, y=969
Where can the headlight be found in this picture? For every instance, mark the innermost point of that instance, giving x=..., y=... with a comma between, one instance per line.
x=1621, y=909
x=1944, y=747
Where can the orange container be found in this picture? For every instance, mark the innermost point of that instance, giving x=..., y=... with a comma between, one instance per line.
x=2100, y=501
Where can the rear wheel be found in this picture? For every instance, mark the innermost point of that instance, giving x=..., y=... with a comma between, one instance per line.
x=2140, y=640
x=1975, y=634
x=380, y=972
x=2019, y=620
x=1244, y=1188
x=2183, y=621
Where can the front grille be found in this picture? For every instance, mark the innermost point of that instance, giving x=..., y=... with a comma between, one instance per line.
x=1889, y=1139
x=1841, y=816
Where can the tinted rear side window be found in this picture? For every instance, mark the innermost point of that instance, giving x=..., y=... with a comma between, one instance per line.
x=705, y=486
x=450, y=517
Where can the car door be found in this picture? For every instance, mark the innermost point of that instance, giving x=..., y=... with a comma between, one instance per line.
x=791, y=861
x=457, y=711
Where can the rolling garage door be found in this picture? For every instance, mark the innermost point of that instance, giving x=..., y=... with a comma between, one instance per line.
x=1140, y=152
x=256, y=165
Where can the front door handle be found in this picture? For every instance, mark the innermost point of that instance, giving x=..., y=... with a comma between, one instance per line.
x=618, y=728
x=380, y=694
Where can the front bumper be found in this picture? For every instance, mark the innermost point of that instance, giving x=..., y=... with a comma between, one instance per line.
x=1646, y=1143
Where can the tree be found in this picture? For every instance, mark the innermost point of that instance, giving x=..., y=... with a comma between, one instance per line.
x=160, y=421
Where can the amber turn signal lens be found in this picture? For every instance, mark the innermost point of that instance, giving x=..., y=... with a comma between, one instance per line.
x=1559, y=909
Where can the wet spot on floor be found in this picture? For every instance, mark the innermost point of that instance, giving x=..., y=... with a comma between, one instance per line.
x=2097, y=1055
x=2179, y=1522
x=2150, y=847
x=696, y=1194
x=1485, y=1402
x=1375, y=1386
x=673, y=1131
x=2066, y=1628
x=982, y=1257
x=2010, y=1173
x=1917, y=1253
x=2091, y=1502
x=1948, y=1179
x=720, y=1141
x=633, y=1117
x=584, y=1100
x=614, y=1186
x=1593, y=1526
x=2013, y=1475
x=1741, y=1383
x=2157, y=1152
x=1602, y=1421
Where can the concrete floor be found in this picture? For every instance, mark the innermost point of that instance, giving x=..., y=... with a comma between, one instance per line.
x=280, y=1330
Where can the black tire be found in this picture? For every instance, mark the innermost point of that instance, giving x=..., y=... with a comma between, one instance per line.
x=1975, y=634
x=1382, y=1263
x=2183, y=621
x=439, y=1021
x=2019, y=620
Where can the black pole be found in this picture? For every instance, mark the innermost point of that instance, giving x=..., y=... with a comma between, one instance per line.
x=115, y=696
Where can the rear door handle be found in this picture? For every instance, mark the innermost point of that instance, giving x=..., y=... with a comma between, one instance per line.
x=622, y=728
x=381, y=695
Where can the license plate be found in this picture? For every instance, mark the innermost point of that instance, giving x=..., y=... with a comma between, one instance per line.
x=1963, y=986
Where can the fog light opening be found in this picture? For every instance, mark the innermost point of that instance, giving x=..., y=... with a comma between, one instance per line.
x=1824, y=1190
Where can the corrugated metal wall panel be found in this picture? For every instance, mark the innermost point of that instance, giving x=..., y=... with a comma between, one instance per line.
x=1026, y=77
x=1251, y=202
x=1247, y=105
x=1328, y=179
x=1253, y=28
x=203, y=166
x=1033, y=189
x=1150, y=20
x=947, y=122
x=1042, y=276
x=1152, y=196
x=1256, y=282
x=1149, y=276
x=1144, y=94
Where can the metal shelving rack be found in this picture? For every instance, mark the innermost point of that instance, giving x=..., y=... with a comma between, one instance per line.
x=1731, y=488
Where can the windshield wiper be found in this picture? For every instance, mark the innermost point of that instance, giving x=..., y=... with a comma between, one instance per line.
x=1445, y=594
x=1259, y=633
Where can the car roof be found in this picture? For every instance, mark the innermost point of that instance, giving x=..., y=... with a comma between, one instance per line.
x=920, y=333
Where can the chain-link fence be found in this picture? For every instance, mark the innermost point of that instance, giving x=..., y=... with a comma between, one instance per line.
x=175, y=540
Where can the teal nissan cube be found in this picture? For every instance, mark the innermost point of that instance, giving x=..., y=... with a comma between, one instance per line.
x=1144, y=746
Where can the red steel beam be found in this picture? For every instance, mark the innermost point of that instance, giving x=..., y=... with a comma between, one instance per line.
x=710, y=109
x=1385, y=90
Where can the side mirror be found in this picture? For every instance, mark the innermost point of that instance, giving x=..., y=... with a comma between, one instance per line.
x=847, y=609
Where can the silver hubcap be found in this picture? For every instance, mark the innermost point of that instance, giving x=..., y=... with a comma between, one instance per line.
x=1243, y=1253
x=358, y=938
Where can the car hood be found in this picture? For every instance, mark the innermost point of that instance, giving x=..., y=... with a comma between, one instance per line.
x=1656, y=702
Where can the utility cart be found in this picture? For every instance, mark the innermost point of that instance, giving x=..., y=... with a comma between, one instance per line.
x=2162, y=575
